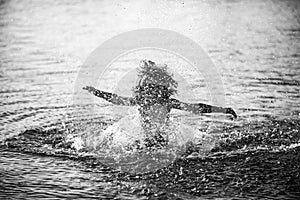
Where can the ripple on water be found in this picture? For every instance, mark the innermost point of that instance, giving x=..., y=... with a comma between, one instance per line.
x=42, y=45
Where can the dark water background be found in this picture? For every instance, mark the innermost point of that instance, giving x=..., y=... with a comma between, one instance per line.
x=255, y=45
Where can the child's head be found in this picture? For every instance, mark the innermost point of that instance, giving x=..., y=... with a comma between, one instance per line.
x=154, y=83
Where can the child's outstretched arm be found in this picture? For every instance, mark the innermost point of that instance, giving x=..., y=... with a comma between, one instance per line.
x=200, y=108
x=110, y=97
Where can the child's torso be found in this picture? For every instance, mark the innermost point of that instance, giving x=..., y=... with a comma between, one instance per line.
x=155, y=116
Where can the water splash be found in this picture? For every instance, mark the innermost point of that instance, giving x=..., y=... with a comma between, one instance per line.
x=122, y=145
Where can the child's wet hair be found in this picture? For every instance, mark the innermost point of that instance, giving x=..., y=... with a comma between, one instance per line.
x=155, y=78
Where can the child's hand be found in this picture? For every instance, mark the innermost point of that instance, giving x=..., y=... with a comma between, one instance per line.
x=89, y=88
x=231, y=111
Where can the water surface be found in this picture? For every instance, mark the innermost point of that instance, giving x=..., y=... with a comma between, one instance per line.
x=255, y=46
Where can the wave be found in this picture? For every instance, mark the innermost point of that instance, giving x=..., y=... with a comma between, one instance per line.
x=256, y=158
x=272, y=135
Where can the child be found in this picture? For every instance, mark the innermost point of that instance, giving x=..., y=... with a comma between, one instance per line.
x=153, y=97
